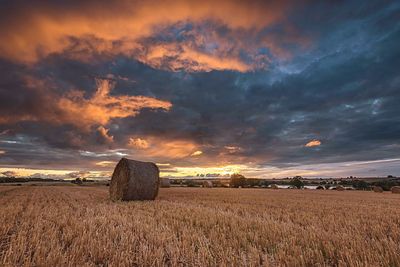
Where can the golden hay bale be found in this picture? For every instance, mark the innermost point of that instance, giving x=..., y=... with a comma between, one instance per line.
x=207, y=184
x=164, y=182
x=377, y=189
x=274, y=186
x=134, y=180
x=396, y=189
x=340, y=188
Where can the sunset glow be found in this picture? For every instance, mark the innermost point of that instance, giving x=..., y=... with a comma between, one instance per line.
x=267, y=89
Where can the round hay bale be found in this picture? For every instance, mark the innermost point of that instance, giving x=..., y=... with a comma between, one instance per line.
x=207, y=184
x=395, y=189
x=274, y=186
x=377, y=189
x=134, y=180
x=340, y=188
x=164, y=182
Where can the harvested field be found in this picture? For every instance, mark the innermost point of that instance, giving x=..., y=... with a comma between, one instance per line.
x=80, y=226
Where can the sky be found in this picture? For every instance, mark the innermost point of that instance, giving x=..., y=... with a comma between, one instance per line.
x=264, y=88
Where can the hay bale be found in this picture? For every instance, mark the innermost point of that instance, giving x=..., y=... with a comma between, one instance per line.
x=207, y=184
x=134, y=180
x=340, y=188
x=164, y=182
x=377, y=189
x=395, y=189
x=320, y=187
x=274, y=186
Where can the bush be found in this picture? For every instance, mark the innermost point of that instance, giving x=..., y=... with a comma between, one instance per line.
x=360, y=185
x=78, y=181
x=237, y=180
x=386, y=185
x=297, y=183
x=191, y=183
x=252, y=182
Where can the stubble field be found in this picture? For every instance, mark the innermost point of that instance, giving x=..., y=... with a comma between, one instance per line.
x=80, y=226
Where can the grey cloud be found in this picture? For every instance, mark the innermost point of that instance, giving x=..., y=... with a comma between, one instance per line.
x=344, y=92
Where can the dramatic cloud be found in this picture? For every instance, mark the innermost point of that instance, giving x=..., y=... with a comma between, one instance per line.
x=104, y=136
x=75, y=109
x=162, y=148
x=102, y=107
x=206, y=35
x=266, y=89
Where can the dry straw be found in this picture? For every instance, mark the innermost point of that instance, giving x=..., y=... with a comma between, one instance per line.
x=340, y=188
x=396, y=189
x=134, y=180
x=377, y=189
x=77, y=226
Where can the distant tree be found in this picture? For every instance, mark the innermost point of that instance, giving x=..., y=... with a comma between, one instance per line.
x=237, y=180
x=263, y=183
x=360, y=185
x=191, y=183
x=297, y=182
x=78, y=181
x=252, y=182
x=327, y=186
x=385, y=184
x=217, y=184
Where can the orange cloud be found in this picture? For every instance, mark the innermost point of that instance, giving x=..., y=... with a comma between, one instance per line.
x=104, y=134
x=120, y=27
x=313, y=143
x=138, y=143
x=102, y=107
x=73, y=108
x=9, y=173
x=155, y=147
x=176, y=57
x=105, y=163
x=196, y=153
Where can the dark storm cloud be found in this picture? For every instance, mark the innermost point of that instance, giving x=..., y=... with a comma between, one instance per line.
x=346, y=98
x=343, y=90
